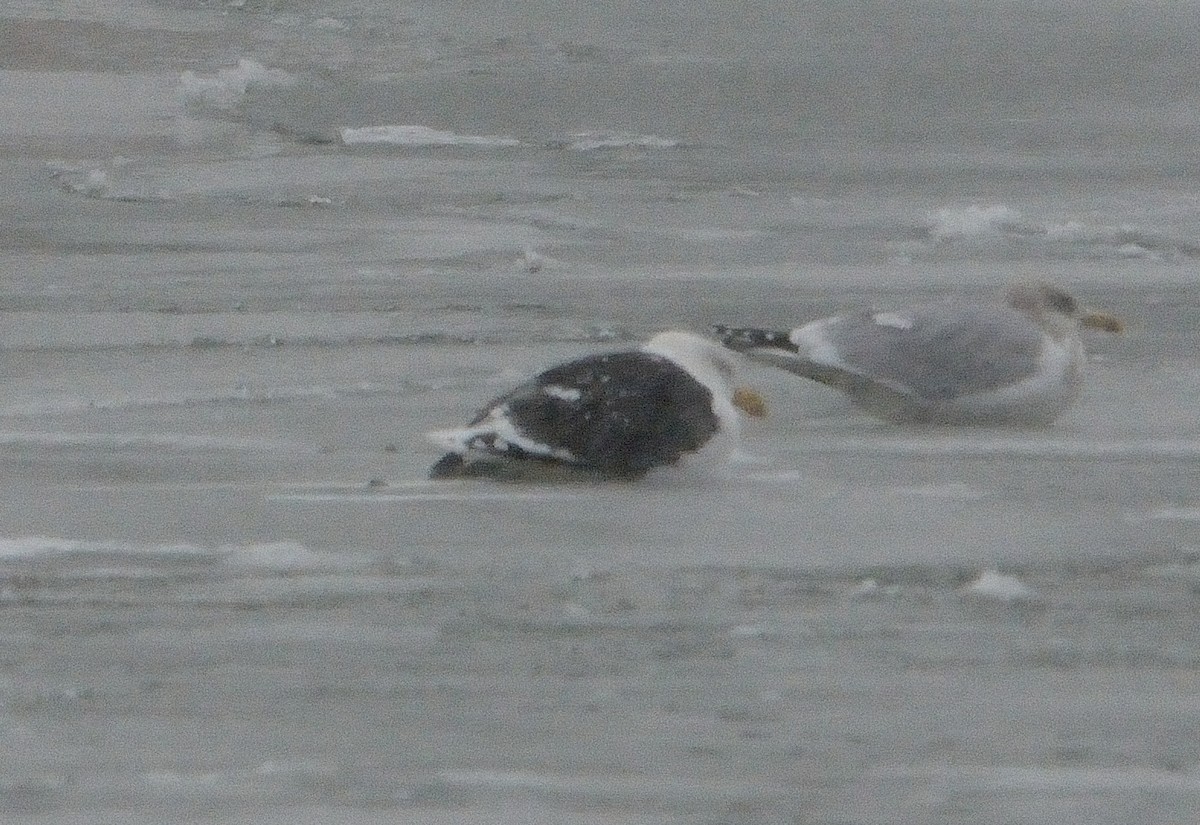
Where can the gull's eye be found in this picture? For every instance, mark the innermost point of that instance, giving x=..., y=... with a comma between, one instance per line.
x=1059, y=301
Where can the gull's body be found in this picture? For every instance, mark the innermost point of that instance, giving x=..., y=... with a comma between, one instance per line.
x=1020, y=362
x=614, y=415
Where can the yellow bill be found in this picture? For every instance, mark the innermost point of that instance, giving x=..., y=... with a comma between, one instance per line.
x=750, y=402
x=1102, y=321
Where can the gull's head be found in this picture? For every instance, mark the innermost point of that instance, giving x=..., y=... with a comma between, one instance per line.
x=711, y=364
x=1057, y=311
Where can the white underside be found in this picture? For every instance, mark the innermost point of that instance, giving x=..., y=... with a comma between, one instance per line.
x=1049, y=390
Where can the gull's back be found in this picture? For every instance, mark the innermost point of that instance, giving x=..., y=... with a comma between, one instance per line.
x=937, y=352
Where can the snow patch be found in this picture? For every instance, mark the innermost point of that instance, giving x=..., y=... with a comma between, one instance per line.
x=228, y=86
x=415, y=135
x=974, y=221
x=591, y=141
x=992, y=584
x=280, y=555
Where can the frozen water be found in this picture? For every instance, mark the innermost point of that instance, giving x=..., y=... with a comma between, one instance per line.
x=230, y=595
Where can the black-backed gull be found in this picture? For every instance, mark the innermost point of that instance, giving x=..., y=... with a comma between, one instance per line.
x=615, y=415
x=1020, y=362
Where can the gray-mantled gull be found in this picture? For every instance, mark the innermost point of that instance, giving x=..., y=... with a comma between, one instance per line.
x=1020, y=362
x=607, y=416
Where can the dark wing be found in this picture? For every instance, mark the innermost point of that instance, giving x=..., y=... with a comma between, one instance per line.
x=775, y=348
x=619, y=414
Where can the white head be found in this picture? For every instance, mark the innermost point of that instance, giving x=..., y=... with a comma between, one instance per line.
x=1056, y=311
x=713, y=365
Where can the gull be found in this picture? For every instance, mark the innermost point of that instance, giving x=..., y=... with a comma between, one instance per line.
x=613, y=415
x=1016, y=363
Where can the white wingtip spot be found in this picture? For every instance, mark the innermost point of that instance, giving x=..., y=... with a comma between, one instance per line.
x=561, y=392
x=892, y=319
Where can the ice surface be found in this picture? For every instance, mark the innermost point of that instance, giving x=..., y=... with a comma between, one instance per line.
x=229, y=596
